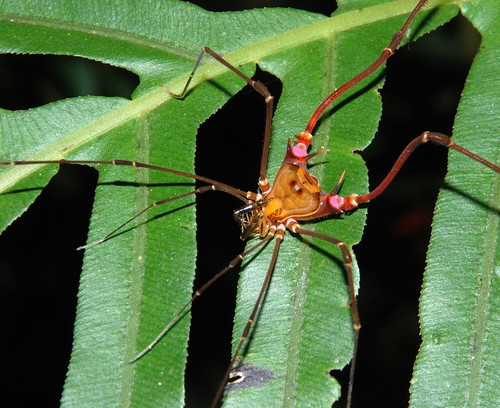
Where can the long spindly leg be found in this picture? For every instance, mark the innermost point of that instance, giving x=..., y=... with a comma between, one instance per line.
x=118, y=162
x=305, y=138
x=246, y=331
x=259, y=87
x=237, y=259
x=199, y=190
x=356, y=323
x=425, y=137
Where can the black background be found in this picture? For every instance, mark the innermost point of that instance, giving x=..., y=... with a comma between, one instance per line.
x=40, y=267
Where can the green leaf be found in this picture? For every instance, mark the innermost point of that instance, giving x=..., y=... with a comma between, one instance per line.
x=133, y=283
x=458, y=363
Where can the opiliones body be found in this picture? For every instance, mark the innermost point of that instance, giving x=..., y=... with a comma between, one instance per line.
x=284, y=206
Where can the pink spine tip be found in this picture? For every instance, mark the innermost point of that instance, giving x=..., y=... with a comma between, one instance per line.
x=336, y=202
x=299, y=151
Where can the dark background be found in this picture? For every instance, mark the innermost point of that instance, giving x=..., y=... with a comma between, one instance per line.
x=40, y=267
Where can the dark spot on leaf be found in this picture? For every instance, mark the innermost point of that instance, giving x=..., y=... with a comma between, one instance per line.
x=248, y=376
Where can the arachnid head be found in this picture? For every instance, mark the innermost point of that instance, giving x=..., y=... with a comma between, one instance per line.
x=252, y=220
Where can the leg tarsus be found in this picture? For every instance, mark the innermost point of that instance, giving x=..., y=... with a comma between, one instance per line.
x=191, y=75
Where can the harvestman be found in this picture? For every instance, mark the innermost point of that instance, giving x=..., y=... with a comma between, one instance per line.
x=294, y=197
